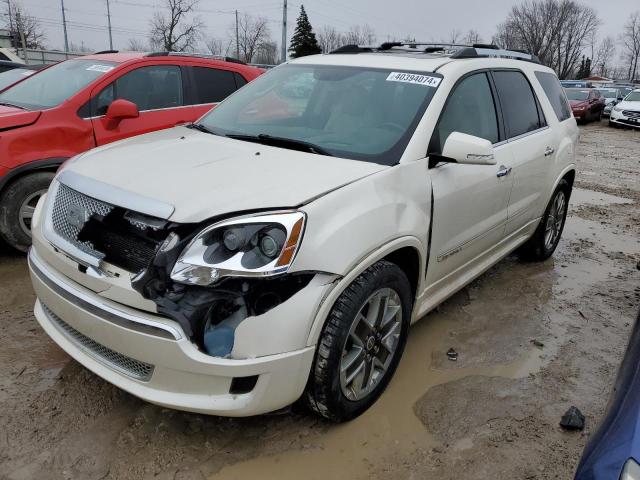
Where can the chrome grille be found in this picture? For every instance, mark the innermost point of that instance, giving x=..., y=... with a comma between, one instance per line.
x=631, y=113
x=121, y=363
x=66, y=199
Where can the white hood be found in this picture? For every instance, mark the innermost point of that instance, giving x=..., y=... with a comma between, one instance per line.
x=201, y=175
x=626, y=105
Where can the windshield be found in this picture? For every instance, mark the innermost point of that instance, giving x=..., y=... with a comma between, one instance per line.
x=633, y=97
x=54, y=85
x=352, y=112
x=609, y=93
x=577, y=94
x=12, y=76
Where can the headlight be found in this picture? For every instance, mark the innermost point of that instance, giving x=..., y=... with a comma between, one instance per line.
x=254, y=246
x=617, y=109
x=631, y=471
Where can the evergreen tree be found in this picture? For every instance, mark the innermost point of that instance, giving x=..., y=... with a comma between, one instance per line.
x=304, y=41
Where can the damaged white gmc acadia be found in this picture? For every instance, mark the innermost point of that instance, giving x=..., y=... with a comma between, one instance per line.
x=279, y=248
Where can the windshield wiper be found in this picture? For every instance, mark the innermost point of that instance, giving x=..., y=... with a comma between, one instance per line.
x=12, y=105
x=201, y=128
x=283, y=142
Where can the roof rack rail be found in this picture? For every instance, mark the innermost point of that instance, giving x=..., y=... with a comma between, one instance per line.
x=454, y=50
x=196, y=55
x=103, y=52
x=352, y=49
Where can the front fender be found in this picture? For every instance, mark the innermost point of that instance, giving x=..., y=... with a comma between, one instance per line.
x=347, y=225
x=353, y=227
x=344, y=282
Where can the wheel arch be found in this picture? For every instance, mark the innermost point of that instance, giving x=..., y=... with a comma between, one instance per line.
x=44, y=165
x=406, y=252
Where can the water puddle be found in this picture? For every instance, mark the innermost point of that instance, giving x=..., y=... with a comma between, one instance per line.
x=580, y=196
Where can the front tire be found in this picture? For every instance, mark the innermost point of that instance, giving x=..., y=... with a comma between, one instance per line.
x=361, y=343
x=17, y=205
x=547, y=236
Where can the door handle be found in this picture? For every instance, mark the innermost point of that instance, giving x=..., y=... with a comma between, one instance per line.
x=548, y=152
x=503, y=172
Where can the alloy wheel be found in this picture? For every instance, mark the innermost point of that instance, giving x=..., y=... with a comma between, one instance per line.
x=553, y=227
x=27, y=209
x=371, y=344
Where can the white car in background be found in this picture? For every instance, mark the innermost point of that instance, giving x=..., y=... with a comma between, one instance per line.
x=627, y=112
x=281, y=246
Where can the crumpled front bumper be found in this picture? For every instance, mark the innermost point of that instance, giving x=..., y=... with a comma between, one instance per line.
x=149, y=356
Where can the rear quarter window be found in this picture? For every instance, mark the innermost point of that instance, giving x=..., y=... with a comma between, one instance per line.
x=555, y=93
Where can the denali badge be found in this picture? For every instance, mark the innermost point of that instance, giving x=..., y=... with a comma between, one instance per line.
x=77, y=215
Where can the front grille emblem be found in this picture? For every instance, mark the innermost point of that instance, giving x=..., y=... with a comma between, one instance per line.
x=77, y=215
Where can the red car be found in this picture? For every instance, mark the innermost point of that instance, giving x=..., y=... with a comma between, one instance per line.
x=586, y=103
x=89, y=101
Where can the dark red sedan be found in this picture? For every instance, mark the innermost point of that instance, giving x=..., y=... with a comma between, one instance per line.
x=587, y=104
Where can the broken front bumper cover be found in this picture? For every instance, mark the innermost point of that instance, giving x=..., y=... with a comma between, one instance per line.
x=149, y=357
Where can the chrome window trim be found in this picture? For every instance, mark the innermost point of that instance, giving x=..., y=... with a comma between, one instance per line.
x=528, y=134
x=99, y=309
x=160, y=109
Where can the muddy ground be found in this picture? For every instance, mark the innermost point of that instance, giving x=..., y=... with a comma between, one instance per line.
x=533, y=339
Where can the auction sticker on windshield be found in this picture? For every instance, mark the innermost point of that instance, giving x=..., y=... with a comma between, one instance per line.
x=100, y=68
x=426, y=80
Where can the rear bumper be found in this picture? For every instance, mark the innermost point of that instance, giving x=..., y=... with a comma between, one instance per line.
x=150, y=358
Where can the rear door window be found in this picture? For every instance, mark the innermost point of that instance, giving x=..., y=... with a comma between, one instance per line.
x=470, y=109
x=519, y=104
x=212, y=85
x=555, y=93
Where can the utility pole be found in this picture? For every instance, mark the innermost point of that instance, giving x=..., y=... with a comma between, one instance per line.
x=109, y=23
x=64, y=27
x=22, y=39
x=237, y=38
x=13, y=40
x=284, y=32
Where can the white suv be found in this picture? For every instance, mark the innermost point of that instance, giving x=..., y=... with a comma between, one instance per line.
x=280, y=247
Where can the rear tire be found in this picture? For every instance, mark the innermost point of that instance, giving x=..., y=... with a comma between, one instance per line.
x=546, y=237
x=17, y=205
x=360, y=345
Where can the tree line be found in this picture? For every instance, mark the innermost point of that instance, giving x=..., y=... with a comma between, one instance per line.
x=563, y=34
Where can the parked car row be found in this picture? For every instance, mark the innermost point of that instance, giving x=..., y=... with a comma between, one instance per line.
x=620, y=105
x=90, y=101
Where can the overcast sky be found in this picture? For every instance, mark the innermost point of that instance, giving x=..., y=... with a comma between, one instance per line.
x=427, y=20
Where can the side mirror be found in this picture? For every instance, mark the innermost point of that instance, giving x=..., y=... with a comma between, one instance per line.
x=469, y=150
x=121, y=109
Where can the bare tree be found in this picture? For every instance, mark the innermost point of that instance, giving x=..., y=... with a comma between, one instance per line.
x=82, y=48
x=631, y=43
x=175, y=30
x=454, y=36
x=217, y=46
x=329, y=39
x=603, y=56
x=18, y=21
x=472, y=37
x=253, y=32
x=557, y=31
x=267, y=53
x=137, y=45
x=360, y=35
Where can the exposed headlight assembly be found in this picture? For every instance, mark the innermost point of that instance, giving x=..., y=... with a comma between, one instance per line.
x=253, y=246
x=631, y=471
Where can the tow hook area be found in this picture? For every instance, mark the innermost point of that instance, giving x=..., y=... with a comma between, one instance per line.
x=209, y=316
